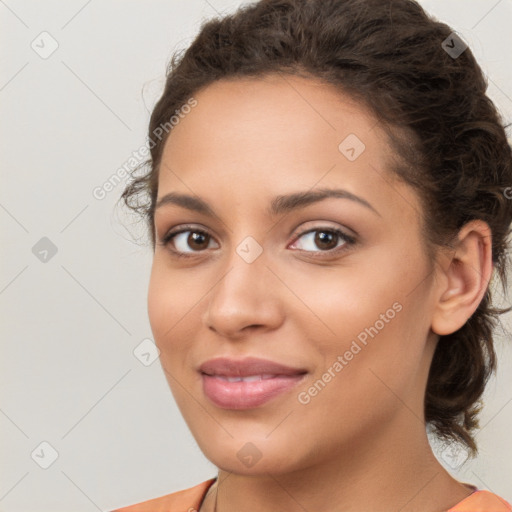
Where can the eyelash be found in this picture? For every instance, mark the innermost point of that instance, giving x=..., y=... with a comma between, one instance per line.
x=348, y=240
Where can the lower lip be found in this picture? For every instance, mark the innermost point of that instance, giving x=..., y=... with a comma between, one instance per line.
x=247, y=395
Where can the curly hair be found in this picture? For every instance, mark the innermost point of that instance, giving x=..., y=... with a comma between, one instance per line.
x=448, y=136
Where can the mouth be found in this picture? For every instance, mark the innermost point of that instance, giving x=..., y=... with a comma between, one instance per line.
x=247, y=383
x=248, y=378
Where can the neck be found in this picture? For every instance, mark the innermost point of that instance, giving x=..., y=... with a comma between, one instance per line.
x=386, y=473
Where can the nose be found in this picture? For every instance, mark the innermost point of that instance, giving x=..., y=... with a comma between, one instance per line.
x=247, y=297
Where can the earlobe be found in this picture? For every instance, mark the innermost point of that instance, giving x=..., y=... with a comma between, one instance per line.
x=465, y=280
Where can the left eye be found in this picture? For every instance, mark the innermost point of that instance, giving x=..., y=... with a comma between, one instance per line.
x=323, y=239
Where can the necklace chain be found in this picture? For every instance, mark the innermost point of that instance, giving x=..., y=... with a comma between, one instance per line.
x=210, y=490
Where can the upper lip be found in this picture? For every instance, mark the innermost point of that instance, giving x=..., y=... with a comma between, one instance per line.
x=245, y=367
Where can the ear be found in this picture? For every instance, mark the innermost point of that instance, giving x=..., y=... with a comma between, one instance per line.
x=464, y=276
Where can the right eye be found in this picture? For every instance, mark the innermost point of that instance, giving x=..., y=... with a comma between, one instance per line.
x=187, y=241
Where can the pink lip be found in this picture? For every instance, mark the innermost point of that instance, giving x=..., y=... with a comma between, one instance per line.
x=275, y=379
x=248, y=366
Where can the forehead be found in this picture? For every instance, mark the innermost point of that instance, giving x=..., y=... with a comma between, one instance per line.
x=274, y=108
x=276, y=134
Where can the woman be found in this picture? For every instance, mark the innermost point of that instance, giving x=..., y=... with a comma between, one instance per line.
x=327, y=204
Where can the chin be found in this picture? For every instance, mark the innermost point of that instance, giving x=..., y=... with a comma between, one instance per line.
x=252, y=456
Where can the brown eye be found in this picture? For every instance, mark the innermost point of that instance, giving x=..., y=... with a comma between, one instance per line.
x=326, y=239
x=188, y=241
x=323, y=240
x=197, y=240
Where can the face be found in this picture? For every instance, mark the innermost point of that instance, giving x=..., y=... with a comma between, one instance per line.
x=337, y=288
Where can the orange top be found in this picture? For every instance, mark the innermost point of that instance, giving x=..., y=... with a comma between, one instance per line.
x=189, y=500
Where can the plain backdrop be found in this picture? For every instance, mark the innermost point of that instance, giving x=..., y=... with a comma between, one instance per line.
x=78, y=80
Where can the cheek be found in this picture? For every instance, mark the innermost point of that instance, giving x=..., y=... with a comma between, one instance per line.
x=366, y=314
x=159, y=302
x=362, y=384
x=169, y=311
x=169, y=305
x=342, y=301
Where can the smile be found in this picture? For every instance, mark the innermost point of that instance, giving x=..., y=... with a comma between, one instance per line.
x=247, y=392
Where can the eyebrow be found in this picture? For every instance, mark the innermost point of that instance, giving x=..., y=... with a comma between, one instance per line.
x=280, y=204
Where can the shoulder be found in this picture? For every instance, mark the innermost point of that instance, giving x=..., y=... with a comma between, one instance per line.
x=187, y=500
x=482, y=501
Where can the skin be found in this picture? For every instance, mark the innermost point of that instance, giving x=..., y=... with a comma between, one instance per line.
x=360, y=443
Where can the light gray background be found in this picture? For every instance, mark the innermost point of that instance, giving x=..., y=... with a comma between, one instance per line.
x=69, y=325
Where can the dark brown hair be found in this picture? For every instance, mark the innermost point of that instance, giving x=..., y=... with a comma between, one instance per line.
x=449, y=139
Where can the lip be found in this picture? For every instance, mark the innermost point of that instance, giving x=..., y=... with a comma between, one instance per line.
x=247, y=366
x=270, y=380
